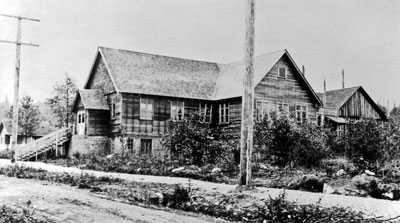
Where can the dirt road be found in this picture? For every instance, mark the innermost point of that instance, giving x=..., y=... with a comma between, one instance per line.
x=61, y=203
x=371, y=206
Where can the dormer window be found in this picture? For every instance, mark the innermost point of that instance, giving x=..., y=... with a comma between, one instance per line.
x=282, y=72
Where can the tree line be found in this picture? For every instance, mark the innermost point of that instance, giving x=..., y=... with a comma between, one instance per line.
x=60, y=104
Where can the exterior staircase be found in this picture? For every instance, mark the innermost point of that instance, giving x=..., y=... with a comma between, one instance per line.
x=44, y=144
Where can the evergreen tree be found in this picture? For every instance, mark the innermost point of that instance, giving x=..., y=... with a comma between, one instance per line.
x=28, y=117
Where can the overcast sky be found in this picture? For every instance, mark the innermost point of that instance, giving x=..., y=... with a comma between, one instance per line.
x=360, y=36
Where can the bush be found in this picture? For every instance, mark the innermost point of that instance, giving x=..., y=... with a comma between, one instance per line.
x=286, y=142
x=365, y=139
x=193, y=142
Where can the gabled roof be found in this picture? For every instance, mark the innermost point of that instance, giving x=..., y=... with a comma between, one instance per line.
x=230, y=81
x=91, y=99
x=142, y=73
x=337, y=98
x=7, y=125
x=43, y=129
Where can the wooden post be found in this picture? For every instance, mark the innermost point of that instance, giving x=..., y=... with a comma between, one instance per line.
x=56, y=144
x=246, y=140
x=14, y=131
x=14, y=135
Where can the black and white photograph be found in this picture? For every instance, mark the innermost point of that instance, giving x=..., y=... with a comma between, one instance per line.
x=199, y=111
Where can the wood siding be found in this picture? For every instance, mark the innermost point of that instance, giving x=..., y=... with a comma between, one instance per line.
x=290, y=90
x=100, y=79
x=130, y=113
x=96, y=124
x=358, y=107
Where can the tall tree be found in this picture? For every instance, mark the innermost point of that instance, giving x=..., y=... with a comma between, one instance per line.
x=28, y=116
x=61, y=102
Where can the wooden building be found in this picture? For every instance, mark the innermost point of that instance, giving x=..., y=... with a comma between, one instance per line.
x=141, y=92
x=5, y=134
x=346, y=104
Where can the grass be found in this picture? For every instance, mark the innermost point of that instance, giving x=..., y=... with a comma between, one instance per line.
x=233, y=207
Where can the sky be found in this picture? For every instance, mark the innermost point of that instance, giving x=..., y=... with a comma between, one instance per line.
x=360, y=36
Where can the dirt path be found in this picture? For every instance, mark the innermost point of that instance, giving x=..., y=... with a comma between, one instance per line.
x=371, y=206
x=62, y=203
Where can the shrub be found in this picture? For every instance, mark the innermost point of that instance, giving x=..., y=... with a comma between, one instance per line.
x=193, y=142
x=365, y=140
x=286, y=142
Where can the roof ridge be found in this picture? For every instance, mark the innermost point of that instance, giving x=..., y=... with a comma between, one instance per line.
x=342, y=89
x=159, y=55
x=261, y=55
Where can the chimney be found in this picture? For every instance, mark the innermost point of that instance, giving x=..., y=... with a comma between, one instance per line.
x=324, y=94
x=342, y=78
x=303, y=69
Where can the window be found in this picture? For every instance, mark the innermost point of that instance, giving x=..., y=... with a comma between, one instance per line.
x=224, y=113
x=145, y=146
x=177, y=110
x=81, y=118
x=146, y=108
x=205, y=110
x=301, y=114
x=340, y=130
x=282, y=72
x=261, y=110
x=282, y=109
x=112, y=106
x=129, y=145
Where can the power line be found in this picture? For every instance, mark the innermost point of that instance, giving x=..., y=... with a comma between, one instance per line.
x=18, y=44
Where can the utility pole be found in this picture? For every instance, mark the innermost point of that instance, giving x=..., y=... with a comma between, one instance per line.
x=246, y=140
x=18, y=43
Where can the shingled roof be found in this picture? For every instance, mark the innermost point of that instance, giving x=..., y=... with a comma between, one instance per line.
x=92, y=99
x=142, y=73
x=337, y=98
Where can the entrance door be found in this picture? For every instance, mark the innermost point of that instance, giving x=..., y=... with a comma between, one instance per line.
x=81, y=122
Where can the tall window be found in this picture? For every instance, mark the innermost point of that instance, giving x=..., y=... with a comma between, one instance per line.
x=282, y=109
x=261, y=110
x=224, y=112
x=145, y=146
x=129, y=145
x=301, y=113
x=81, y=118
x=146, y=108
x=112, y=106
x=177, y=110
x=205, y=110
x=282, y=72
